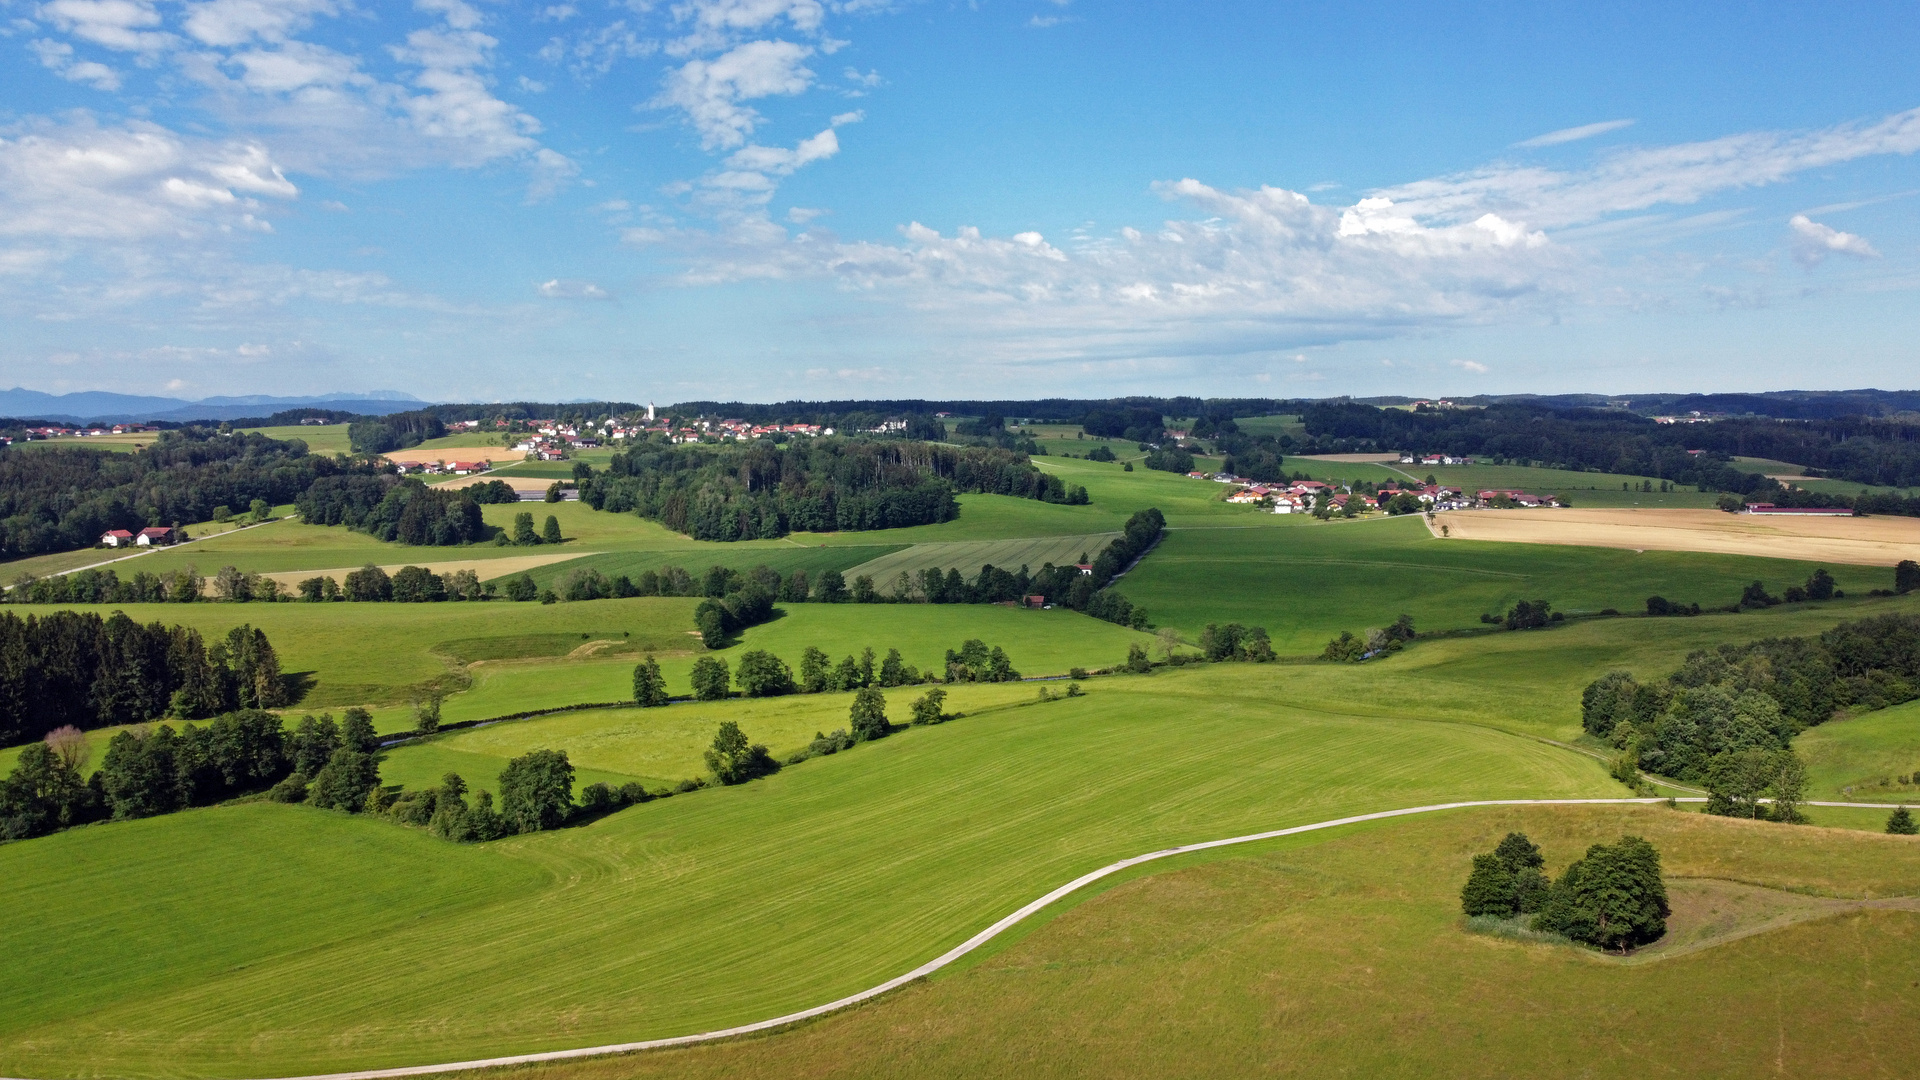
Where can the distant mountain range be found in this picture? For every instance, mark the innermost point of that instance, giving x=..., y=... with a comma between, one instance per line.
x=95, y=406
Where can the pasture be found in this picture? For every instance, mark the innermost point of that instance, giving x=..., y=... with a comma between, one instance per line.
x=701, y=910
x=969, y=556
x=320, y=438
x=1305, y=580
x=1346, y=955
x=1864, y=758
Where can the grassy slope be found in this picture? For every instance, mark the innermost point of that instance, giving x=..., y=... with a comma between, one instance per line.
x=969, y=555
x=698, y=911
x=1344, y=956
x=1864, y=757
x=1308, y=580
x=320, y=438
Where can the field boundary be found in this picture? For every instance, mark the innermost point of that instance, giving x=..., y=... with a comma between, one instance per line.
x=976, y=941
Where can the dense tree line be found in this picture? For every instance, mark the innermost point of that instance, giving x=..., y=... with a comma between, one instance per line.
x=76, y=669
x=401, y=509
x=1612, y=898
x=758, y=490
x=1859, y=449
x=59, y=498
x=1726, y=702
x=159, y=771
x=395, y=431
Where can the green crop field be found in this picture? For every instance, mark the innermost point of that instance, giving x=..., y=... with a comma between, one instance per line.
x=1306, y=581
x=969, y=556
x=320, y=438
x=706, y=909
x=1345, y=956
x=1272, y=425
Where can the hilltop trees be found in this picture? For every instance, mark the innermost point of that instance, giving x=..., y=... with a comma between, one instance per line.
x=1613, y=898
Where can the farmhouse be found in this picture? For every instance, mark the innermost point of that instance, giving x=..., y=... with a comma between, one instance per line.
x=157, y=537
x=116, y=538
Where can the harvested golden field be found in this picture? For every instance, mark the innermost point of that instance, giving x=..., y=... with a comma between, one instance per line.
x=1864, y=541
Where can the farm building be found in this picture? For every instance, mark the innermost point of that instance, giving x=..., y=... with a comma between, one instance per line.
x=116, y=538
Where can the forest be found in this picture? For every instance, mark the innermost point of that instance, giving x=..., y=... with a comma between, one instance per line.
x=58, y=498
x=761, y=491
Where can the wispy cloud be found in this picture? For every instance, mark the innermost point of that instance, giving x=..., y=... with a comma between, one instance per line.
x=1575, y=134
x=1813, y=242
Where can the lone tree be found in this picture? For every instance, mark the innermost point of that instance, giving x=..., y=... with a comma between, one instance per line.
x=868, y=716
x=709, y=678
x=536, y=791
x=550, y=533
x=523, y=533
x=1906, y=576
x=734, y=760
x=926, y=708
x=649, y=686
x=1900, y=823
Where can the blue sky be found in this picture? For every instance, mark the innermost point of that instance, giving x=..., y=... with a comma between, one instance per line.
x=763, y=199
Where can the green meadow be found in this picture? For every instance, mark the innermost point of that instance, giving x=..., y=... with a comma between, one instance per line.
x=1344, y=954
x=1865, y=758
x=698, y=911
x=969, y=556
x=1307, y=580
x=320, y=438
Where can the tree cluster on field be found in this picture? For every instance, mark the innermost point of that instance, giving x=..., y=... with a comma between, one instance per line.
x=1612, y=898
x=758, y=490
x=77, y=669
x=758, y=673
x=1374, y=641
x=1727, y=717
x=105, y=586
x=407, y=585
x=146, y=772
x=395, y=431
x=59, y=498
x=1526, y=615
x=403, y=510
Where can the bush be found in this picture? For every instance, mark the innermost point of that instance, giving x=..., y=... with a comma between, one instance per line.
x=293, y=789
x=522, y=589
x=345, y=780
x=926, y=708
x=1906, y=576
x=734, y=760
x=1345, y=649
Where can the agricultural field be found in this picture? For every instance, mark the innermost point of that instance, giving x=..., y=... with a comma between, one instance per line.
x=124, y=443
x=320, y=438
x=970, y=556
x=1273, y=425
x=65, y=561
x=1348, y=957
x=1863, y=541
x=1871, y=758
x=851, y=868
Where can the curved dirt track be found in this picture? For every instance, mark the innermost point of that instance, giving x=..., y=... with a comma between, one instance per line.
x=969, y=945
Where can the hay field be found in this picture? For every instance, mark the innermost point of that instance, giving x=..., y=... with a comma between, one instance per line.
x=1867, y=541
x=486, y=568
x=969, y=556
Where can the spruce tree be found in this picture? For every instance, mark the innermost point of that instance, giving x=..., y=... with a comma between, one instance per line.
x=1900, y=823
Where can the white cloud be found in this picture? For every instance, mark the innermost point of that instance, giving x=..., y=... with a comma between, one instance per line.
x=124, y=25
x=1813, y=242
x=1474, y=366
x=227, y=23
x=710, y=91
x=1641, y=178
x=567, y=289
x=80, y=181
x=714, y=24
x=296, y=65
x=1575, y=134
x=58, y=56
x=805, y=215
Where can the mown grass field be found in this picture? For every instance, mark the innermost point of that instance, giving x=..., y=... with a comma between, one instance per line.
x=969, y=556
x=1864, y=757
x=320, y=438
x=1306, y=581
x=701, y=910
x=1345, y=956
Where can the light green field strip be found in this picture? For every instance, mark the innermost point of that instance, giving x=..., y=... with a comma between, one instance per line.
x=969, y=556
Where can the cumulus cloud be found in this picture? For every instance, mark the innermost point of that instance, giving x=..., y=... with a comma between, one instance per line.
x=137, y=181
x=567, y=289
x=1474, y=366
x=1575, y=134
x=228, y=23
x=58, y=56
x=1813, y=242
x=122, y=25
x=710, y=92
